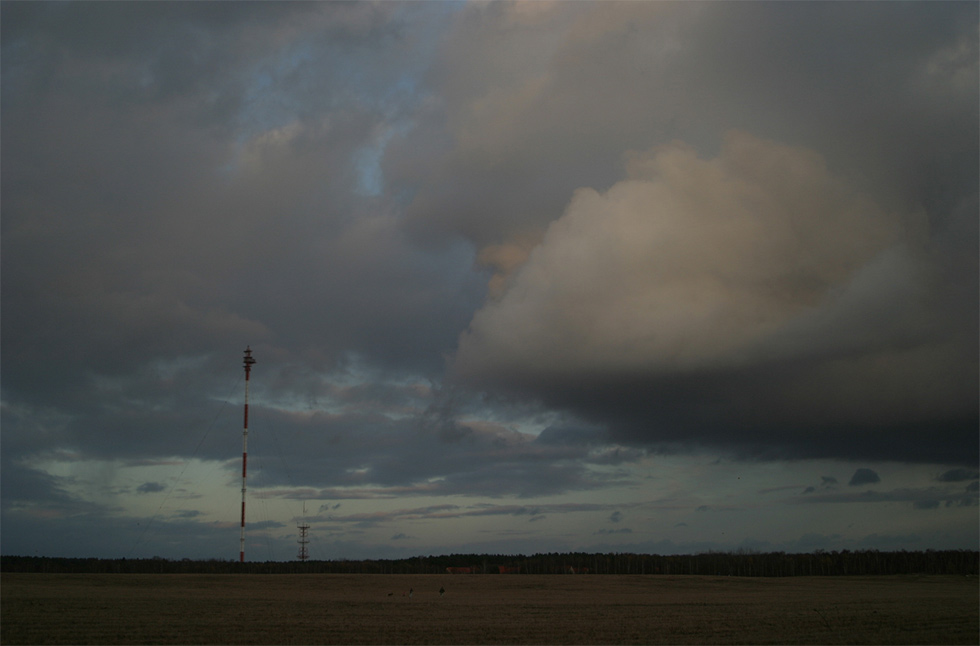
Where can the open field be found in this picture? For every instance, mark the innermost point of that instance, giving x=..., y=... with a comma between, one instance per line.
x=485, y=609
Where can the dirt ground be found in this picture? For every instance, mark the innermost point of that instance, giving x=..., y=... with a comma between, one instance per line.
x=486, y=609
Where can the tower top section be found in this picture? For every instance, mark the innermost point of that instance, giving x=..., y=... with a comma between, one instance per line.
x=248, y=360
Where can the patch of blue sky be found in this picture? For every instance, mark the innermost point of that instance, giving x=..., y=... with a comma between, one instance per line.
x=367, y=158
x=314, y=75
x=268, y=103
x=396, y=104
x=367, y=162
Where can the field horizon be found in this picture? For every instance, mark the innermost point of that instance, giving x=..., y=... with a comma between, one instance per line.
x=737, y=563
x=474, y=609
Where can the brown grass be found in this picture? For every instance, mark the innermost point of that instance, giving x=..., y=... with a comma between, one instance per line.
x=491, y=609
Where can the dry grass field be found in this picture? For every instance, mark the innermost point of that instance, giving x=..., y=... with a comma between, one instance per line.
x=494, y=609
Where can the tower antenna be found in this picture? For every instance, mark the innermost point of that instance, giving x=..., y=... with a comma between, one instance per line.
x=303, y=527
x=248, y=361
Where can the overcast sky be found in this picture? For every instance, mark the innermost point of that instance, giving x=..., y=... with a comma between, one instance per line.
x=518, y=277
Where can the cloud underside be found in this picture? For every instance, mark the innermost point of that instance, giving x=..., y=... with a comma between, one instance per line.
x=753, y=299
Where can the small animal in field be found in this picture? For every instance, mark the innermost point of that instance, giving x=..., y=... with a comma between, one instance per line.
x=442, y=591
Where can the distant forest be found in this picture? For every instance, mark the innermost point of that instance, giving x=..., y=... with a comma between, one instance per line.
x=739, y=563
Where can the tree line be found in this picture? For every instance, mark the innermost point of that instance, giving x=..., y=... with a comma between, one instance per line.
x=738, y=563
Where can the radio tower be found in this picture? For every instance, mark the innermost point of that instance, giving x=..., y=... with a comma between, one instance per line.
x=248, y=361
x=303, y=540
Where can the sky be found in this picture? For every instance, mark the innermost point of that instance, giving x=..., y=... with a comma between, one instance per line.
x=519, y=277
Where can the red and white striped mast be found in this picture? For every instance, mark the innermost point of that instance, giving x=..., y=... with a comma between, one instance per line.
x=248, y=361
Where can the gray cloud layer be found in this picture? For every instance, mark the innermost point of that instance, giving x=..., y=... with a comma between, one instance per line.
x=640, y=226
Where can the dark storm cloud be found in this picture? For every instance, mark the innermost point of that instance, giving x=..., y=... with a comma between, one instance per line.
x=826, y=482
x=35, y=491
x=864, y=476
x=959, y=475
x=569, y=436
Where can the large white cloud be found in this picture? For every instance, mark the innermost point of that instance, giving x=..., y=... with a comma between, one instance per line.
x=691, y=263
x=752, y=297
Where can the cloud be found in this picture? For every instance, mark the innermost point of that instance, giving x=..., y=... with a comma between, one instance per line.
x=264, y=219
x=37, y=492
x=569, y=436
x=864, y=476
x=959, y=475
x=696, y=289
x=622, y=530
x=478, y=510
x=920, y=498
x=826, y=482
x=688, y=264
x=658, y=239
